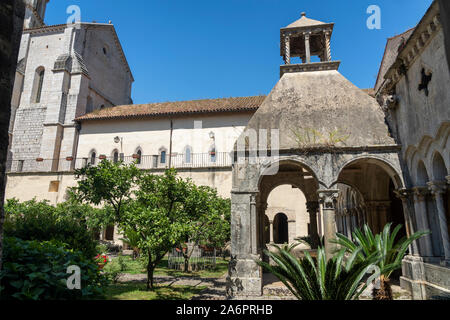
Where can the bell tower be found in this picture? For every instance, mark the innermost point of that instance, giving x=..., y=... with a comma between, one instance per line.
x=35, y=13
x=306, y=38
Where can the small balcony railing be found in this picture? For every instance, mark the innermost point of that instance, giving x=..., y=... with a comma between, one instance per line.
x=145, y=162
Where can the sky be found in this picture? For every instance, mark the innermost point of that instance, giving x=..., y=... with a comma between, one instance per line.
x=199, y=49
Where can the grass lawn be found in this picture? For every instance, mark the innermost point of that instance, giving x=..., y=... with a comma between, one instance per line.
x=137, y=291
x=136, y=267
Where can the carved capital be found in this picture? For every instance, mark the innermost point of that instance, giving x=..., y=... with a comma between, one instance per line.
x=448, y=179
x=403, y=193
x=437, y=187
x=312, y=206
x=307, y=35
x=328, y=198
x=420, y=193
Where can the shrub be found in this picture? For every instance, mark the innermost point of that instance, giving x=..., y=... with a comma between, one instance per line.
x=32, y=220
x=38, y=271
x=316, y=278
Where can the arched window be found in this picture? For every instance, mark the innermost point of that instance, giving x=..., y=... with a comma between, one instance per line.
x=139, y=156
x=162, y=156
x=115, y=156
x=102, y=107
x=187, y=154
x=38, y=84
x=92, y=157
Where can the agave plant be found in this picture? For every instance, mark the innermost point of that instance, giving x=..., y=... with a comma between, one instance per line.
x=391, y=252
x=311, y=278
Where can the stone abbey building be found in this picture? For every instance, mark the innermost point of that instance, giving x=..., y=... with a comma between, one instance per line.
x=315, y=156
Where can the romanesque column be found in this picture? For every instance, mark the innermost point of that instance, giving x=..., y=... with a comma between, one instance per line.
x=287, y=50
x=253, y=225
x=405, y=195
x=262, y=207
x=438, y=189
x=327, y=45
x=307, y=47
x=271, y=230
x=420, y=207
x=328, y=199
x=312, y=207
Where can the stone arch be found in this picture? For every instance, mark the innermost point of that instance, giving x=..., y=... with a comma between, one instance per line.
x=440, y=170
x=421, y=174
x=267, y=168
x=391, y=169
x=375, y=179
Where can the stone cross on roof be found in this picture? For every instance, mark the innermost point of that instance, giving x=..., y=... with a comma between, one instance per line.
x=305, y=38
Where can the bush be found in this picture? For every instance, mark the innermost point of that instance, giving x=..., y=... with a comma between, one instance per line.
x=38, y=271
x=32, y=220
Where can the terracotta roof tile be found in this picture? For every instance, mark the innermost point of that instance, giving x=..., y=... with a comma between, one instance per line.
x=176, y=108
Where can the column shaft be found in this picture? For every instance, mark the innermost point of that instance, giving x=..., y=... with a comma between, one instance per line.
x=438, y=189
x=328, y=201
x=420, y=208
x=307, y=47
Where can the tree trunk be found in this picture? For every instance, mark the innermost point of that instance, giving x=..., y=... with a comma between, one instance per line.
x=150, y=270
x=11, y=16
x=186, y=262
x=384, y=292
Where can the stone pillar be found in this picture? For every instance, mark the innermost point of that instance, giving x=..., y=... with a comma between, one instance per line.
x=261, y=209
x=328, y=199
x=271, y=230
x=307, y=47
x=312, y=207
x=287, y=50
x=405, y=195
x=438, y=189
x=327, y=46
x=245, y=276
x=420, y=208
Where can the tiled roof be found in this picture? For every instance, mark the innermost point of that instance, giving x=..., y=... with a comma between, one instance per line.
x=241, y=104
x=390, y=54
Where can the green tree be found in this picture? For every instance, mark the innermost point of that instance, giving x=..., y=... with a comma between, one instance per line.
x=107, y=183
x=207, y=220
x=386, y=245
x=157, y=215
x=316, y=278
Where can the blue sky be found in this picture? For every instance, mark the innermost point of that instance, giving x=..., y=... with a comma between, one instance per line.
x=183, y=50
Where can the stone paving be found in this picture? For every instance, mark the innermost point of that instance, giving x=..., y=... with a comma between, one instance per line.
x=216, y=287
